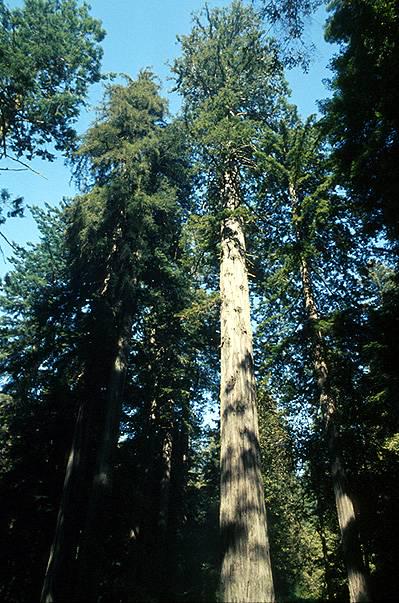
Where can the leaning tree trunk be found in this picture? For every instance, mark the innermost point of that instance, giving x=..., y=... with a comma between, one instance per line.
x=62, y=560
x=357, y=581
x=87, y=473
x=246, y=574
x=91, y=550
x=61, y=569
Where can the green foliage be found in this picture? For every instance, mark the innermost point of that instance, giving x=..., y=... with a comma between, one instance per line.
x=361, y=120
x=141, y=241
x=362, y=115
x=200, y=542
x=296, y=547
x=309, y=220
x=9, y=208
x=49, y=55
x=288, y=20
x=289, y=14
x=124, y=139
x=231, y=80
x=39, y=372
x=124, y=226
x=14, y=206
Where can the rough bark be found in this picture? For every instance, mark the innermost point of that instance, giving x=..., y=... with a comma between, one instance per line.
x=246, y=570
x=357, y=580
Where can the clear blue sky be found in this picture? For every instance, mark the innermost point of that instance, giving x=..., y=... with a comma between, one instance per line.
x=142, y=33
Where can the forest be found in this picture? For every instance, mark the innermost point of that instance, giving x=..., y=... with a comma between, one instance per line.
x=199, y=355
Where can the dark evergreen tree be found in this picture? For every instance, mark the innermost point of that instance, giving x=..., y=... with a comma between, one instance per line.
x=39, y=371
x=296, y=162
x=108, y=335
x=122, y=229
x=362, y=124
x=362, y=115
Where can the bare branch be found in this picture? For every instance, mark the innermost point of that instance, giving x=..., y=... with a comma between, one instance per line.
x=14, y=247
x=26, y=166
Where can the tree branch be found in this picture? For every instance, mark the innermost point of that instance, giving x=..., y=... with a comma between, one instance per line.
x=26, y=166
x=13, y=169
x=14, y=247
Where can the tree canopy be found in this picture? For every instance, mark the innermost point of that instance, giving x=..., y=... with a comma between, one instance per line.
x=49, y=56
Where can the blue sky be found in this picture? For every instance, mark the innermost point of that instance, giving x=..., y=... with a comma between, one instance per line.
x=142, y=33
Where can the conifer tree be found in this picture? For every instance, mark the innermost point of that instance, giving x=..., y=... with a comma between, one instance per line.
x=362, y=115
x=298, y=165
x=230, y=80
x=49, y=56
x=39, y=370
x=119, y=228
x=362, y=124
x=166, y=386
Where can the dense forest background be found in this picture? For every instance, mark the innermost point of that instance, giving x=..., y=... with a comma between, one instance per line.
x=123, y=326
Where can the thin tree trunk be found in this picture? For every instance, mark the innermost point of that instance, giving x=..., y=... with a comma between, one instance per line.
x=246, y=574
x=164, y=494
x=62, y=560
x=321, y=532
x=357, y=581
x=155, y=557
x=85, y=481
x=91, y=552
x=163, y=516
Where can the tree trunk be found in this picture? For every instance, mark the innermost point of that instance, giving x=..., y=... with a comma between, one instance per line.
x=62, y=560
x=155, y=556
x=246, y=574
x=357, y=581
x=163, y=516
x=322, y=535
x=91, y=551
x=87, y=480
x=165, y=484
